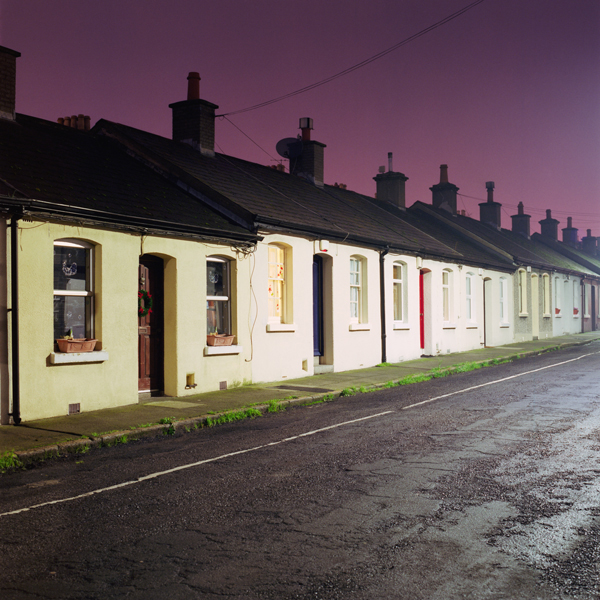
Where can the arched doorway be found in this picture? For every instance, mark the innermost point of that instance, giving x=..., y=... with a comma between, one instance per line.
x=151, y=328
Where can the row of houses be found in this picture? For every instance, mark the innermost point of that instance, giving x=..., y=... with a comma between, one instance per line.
x=196, y=271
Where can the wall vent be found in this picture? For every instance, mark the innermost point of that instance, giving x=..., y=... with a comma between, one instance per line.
x=74, y=409
x=222, y=385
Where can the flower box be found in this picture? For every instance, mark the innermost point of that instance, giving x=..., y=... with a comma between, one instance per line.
x=219, y=339
x=557, y=311
x=79, y=345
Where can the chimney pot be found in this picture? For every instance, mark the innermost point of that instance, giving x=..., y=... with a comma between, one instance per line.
x=67, y=121
x=489, y=212
x=521, y=222
x=87, y=122
x=570, y=236
x=306, y=124
x=74, y=121
x=193, y=79
x=60, y=121
x=549, y=226
x=390, y=158
x=443, y=173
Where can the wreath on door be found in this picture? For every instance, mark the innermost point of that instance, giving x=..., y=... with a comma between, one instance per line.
x=145, y=303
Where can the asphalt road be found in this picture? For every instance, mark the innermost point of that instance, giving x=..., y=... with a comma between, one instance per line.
x=490, y=489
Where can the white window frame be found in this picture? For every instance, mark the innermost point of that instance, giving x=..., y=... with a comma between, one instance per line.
x=356, y=287
x=89, y=291
x=546, y=295
x=576, y=294
x=469, y=297
x=399, y=289
x=502, y=300
x=277, y=283
x=447, y=276
x=523, y=311
x=224, y=299
x=557, y=298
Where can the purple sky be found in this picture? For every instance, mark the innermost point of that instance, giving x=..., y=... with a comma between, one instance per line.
x=508, y=92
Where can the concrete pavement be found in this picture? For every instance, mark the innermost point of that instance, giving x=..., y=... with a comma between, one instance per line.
x=47, y=438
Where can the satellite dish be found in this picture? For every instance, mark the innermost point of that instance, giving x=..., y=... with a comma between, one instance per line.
x=289, y=147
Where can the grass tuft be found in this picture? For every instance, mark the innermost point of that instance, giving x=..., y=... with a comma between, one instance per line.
x=9, y=460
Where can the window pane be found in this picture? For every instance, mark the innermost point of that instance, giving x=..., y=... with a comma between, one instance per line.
x=70, y=313
x=397, y=301
x=70, y=268
x=216, y=279
x=397, y=272
x=217, y=317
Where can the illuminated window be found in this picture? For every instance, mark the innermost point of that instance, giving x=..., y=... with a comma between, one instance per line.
x=218, y=301
x=73, y=289
x=277, y=284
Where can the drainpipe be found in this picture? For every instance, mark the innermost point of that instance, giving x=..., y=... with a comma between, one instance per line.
x=382, y=254
x=14, y=293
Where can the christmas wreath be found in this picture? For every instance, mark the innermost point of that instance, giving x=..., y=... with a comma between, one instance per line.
x=144, y=303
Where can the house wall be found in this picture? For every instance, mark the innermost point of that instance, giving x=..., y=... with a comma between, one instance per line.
x=47, y=389
x=564, y=289
x=534, y=322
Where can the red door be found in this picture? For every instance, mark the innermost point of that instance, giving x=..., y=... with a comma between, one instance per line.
x=421, y=310
x=150, y=327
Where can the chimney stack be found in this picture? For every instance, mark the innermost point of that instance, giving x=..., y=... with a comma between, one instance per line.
x=81, y=122
x=311, y=163
x=521, y=222
x=549, y=226
x=489, y=212
x=444, y=193
x=8, y=82
x=570, y=236
x=589, y=244
x=194, y=119
x=391, y=186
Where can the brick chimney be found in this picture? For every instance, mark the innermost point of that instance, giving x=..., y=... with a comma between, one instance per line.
x=194, y=119
x=570, y=234
x=489, y=212
x=311, y=163
x=521, y=222
x=8, y=78
x=589, y=244
x=444, y=193
x=391, y=185
x=549, y=226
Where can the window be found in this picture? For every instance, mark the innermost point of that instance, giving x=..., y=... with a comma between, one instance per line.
x=398, y=281
x=73, y=289
x=503, y=298
x=546, y=292
x=277, y=284
x=218, y=296
x=576, y=298
x=587, y=299
x=557, y=297
x=355, y=289
x=522, y=292
x=469, y=296
x=446, y=294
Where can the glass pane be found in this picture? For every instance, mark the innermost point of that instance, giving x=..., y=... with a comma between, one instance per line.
x=71, y=268
x=445, y=277
x=397, y=272
x=468, y=286
x=397, y=301
x=217, y=317
x=217, y=279
x=70, y=314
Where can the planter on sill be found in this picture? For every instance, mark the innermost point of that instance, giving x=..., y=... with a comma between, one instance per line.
x=219, y=339
x=79, y=345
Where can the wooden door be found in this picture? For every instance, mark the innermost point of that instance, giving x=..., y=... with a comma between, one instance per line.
x=150, y=327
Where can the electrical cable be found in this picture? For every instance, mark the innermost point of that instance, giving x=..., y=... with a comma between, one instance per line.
x=359, y=65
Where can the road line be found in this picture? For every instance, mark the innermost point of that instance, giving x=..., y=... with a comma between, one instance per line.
x=190, y=465
x=475, y=387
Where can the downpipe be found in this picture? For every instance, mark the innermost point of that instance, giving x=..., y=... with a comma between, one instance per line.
x=382, y=254
x=14, y=309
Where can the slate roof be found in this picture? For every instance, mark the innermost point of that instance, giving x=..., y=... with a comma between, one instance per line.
x=524, y=251
x=53, y=168
x=276, y=200
x=591, y=262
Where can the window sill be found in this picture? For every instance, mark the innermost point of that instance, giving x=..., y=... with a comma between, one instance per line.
x=504, y=325
x=472, y=326
x=449, y=326
x=401, y=327
x=547, y=316
x=359, y=327
x=220, y=350
x=523, y=315
x=70, y=358
x=280, y=327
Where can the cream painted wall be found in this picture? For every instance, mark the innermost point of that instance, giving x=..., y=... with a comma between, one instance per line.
x=47, y=390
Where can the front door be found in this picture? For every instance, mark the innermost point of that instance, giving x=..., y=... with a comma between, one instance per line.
x=150, y=327
x=318, y=305
x=422, y=308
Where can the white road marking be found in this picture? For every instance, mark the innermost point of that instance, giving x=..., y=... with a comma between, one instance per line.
x=190, y=465
x=475, y=387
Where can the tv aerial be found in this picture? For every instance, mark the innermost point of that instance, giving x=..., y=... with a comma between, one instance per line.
x=289, y=148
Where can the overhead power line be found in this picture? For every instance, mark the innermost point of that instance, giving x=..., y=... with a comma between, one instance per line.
x=359, y=65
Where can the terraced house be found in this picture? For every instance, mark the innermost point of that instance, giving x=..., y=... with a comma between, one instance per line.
x=194, y=271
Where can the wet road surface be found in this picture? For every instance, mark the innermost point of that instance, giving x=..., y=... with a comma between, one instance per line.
x=424, y=491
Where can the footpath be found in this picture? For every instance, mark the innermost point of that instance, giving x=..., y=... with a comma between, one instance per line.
x=47, y=438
